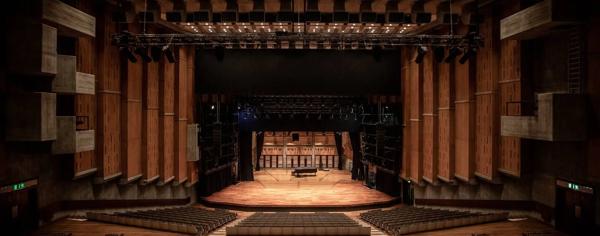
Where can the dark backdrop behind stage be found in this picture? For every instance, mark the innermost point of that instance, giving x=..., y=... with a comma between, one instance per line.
x=349, y=72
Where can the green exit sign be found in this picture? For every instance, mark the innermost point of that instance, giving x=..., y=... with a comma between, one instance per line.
x=19, y=186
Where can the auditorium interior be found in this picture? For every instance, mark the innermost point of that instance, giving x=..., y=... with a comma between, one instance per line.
x=299, y=117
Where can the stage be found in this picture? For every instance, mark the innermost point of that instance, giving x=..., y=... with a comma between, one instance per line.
x=274, y=189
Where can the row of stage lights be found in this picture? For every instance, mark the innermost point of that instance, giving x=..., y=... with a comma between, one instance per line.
x=156, y=54
x=439, y=54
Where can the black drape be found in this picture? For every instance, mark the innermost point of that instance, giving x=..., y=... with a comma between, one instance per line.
x=260, y=139
x=340, y=150
x=245, y=161
x=357, y=166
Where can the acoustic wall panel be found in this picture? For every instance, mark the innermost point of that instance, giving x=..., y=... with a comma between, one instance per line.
x=131, y=121
x=446, y=121
x=416, y=124
x=150, y=122
x=166, y=133
x=430, y=118
x=486, y=101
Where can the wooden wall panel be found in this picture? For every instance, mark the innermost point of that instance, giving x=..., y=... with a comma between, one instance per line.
x=150, y=122
x=131, y=121
x=406, y=106
x=108, y=93
x=465, y=118
x=487, y=119
x=416, y=125
x=109, y=132
x=192, y=173
x=511, y=95
x=166, y=121
x=430, y=118
x=85, y=105
x=446, y=121
x=181, y=74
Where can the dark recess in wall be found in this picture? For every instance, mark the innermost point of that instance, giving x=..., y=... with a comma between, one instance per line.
x=357, y=72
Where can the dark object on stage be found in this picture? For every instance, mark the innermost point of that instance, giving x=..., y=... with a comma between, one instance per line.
x=304, y=170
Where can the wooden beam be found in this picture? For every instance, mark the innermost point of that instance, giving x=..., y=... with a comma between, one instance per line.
x=69, y=20
x=539, y=19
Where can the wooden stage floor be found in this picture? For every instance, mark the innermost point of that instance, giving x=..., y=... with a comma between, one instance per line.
x=278, y=188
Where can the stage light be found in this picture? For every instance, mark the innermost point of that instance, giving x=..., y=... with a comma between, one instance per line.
x=127, y=53
x=155, y=53
x=421, y=51
x=169, y=54
x=452, y=54
x=143, y=53
x=470, y=52
x=438, y=53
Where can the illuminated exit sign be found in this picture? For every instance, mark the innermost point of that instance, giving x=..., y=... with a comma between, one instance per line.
x=574, y=186
x=18, y=186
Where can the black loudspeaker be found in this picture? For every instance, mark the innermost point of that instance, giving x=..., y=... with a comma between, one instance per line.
x=295, y=137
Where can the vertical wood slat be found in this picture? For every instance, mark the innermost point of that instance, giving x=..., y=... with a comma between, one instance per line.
x=511, y=95
x=446, y=121
x=192, y=167
x=430, y=118
x=85, y=105
x=416, y=124
x=465, y=118
x=108, y=133
x=166, y=132
x=181, y=74
x=131, y=118
x=150, y=122
x=406, y=95
x=487, y=118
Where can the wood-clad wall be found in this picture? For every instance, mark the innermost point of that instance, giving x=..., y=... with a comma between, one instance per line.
x=464, y=103
x=406, y=111
x=85, y=105
x=430, y=118
x=452, y=110
x=150, y=113
x=446, y=121
x=108, y=146
x=181, y=80
x=131, y=117
x=192, y=168
x=166, y=128
x=511, y=96
x=416, y=121
x=143, y=110
x=486, y=98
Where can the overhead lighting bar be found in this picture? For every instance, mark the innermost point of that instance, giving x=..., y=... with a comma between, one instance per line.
x=386, y=40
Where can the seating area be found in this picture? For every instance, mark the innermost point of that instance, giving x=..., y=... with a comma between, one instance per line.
x=189, y=220
x=406, y=220
x=304, y=170
x=298, y=224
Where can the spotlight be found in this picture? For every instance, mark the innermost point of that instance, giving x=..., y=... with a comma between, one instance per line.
x=452, y=54
x=421, y=51
x=438, y=53
x=169, y=54
x=155, y=53
x=470, y=52
x=143, y=53
x=127, y=53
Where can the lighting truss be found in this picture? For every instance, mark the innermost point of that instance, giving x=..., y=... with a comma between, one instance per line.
x=294, y=40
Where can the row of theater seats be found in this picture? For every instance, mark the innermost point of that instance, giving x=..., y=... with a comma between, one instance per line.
x=298, y=224
x=406, y=220
x=188, y=220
